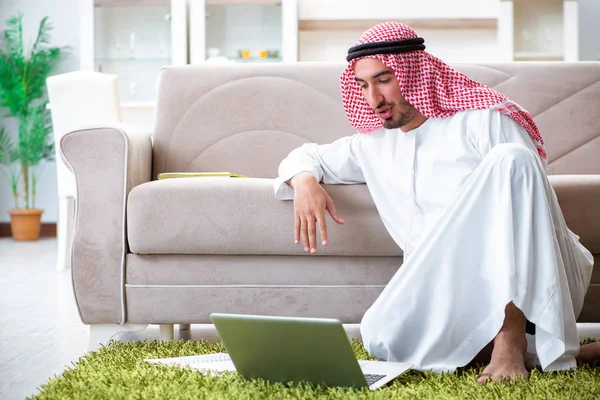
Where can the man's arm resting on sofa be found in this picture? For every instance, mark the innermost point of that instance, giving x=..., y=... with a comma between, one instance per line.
x=107, y=162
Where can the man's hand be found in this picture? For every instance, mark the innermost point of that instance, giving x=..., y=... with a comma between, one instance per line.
x=310, y=203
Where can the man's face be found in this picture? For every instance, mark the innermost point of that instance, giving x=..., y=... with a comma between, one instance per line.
x=382, y=91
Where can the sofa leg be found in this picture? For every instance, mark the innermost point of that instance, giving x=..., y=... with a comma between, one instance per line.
x=184, y=327
x=100, y=334
x=166, y=332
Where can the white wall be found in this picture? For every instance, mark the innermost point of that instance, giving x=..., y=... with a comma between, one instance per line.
x=64, y=15
x=589, y=30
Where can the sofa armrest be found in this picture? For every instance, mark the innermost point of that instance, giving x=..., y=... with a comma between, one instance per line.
x=579, y=199
x=107, y=161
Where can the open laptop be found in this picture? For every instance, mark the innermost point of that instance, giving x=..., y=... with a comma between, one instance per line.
x=284, y=349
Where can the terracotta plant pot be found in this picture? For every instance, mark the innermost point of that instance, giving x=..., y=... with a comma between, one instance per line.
x=25, y=224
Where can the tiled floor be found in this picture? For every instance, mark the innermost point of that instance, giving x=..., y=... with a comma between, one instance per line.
x=40, y=329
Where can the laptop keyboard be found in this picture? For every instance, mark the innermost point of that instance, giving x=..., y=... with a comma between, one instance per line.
x=372, y=378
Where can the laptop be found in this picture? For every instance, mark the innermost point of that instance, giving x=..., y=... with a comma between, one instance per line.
x=284, y=349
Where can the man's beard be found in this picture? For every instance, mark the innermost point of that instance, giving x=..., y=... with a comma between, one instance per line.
x=394, y=122
x=402, y=119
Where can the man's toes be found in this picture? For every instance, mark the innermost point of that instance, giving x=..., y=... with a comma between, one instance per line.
x=501, y=377
x=505, y=380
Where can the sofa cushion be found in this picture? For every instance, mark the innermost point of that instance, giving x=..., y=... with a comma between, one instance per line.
x=242, y=216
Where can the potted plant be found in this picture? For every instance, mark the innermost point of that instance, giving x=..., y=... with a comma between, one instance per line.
x=23, y=76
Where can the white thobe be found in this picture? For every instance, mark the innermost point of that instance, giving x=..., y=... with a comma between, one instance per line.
x=468, y=200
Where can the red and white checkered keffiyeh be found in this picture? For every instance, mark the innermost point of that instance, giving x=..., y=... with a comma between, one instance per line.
x=434, y=88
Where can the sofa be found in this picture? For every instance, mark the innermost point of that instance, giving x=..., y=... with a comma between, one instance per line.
x=148, y=251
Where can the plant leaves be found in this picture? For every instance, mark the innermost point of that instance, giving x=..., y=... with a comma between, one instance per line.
x=23, y=94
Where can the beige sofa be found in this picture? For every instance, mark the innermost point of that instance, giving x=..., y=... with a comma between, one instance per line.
x=172, y=251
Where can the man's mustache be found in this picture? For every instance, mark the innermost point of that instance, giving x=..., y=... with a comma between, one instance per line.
x=383, y=104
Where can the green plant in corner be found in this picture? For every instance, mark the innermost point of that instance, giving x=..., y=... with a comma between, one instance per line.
x=23, y=74
x=8, y=156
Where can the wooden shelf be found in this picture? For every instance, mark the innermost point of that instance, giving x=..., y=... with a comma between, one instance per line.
x=537, y=55
x=256, y=60
x=437, y=23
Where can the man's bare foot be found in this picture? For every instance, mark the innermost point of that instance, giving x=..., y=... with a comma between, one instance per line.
x=589, y=353
x=507, y=363
x=508, y=355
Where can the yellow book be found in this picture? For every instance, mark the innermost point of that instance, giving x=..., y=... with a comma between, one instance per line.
x=166, y=175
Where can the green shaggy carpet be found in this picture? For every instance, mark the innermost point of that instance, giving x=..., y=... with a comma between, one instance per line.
x=114, y=372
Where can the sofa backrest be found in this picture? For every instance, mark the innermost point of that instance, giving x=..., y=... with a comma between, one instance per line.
x=247, y=118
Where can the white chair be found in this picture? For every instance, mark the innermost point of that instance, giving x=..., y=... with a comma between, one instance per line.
x=76, y=99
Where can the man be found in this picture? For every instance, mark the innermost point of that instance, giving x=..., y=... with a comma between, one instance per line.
x=457, y=172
